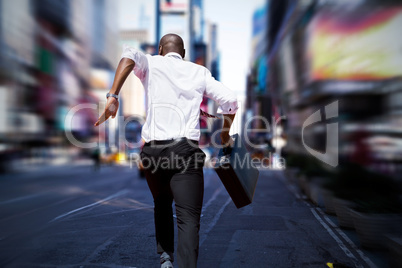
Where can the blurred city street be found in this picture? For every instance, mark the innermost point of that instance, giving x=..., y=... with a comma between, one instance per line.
x=318, y=85
x=73, y=216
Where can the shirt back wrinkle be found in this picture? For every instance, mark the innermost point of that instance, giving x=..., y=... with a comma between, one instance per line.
x=179, y=78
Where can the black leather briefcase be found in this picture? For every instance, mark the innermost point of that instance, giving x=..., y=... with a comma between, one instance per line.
x=236, y=172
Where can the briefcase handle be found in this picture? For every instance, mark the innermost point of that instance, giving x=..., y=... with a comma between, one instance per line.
x=227, y=150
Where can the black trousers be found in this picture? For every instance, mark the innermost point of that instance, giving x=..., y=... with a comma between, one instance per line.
x=174, y=172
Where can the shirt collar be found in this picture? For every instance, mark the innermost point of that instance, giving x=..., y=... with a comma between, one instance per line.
x=174, y=55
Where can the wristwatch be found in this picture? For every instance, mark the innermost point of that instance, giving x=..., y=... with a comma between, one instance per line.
x=112, y=95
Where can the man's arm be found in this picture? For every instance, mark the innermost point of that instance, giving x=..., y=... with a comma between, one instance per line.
x=227, y=123
x=112, y=105
x=227, y=101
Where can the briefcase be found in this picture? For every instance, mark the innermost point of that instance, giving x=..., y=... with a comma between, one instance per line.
x=238, y=175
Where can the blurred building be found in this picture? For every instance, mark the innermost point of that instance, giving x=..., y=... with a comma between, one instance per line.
x=258, y=97
x=48, y=49
x=205, y=53
x=175, y=16
x=213, y=64
x=212, y=50
x=344, y=53
x=19, y=118
x=105, y=34
x=134, y=37
x=104, y=44
x=132, y=93
x=185, y=18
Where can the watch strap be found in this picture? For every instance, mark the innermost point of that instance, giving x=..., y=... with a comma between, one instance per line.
x=112, y=95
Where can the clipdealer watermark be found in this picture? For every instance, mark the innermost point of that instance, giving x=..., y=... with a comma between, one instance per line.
x=330, y=156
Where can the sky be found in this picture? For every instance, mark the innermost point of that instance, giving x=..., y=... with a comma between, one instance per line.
x=234, y=21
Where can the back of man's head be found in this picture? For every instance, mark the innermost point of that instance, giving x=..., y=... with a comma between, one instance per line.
x=171, y=43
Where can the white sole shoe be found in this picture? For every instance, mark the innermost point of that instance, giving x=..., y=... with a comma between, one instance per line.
x=166, y=260
x=167, y=264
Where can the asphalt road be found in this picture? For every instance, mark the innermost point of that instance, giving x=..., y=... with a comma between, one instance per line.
x=73, y=216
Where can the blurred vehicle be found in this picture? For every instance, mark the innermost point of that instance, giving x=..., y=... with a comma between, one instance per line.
x=107, y=155
x=110, y=158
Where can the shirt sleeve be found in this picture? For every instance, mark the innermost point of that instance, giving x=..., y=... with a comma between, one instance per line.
x=140, y=59
x=225, y=97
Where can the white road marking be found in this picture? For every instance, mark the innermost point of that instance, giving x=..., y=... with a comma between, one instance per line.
x=334, y=236
x=337, y=229
x=90, y=205
x=350, y=242
x=21, y=198
x=214, y=221
x=36, y=209
x=213, y=197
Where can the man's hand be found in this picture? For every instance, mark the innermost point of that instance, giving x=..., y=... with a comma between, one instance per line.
x=123, y=70
x=227, y=123
x=112, y=105
x=225, y=138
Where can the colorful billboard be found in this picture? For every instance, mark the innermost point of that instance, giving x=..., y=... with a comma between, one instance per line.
x=360, y=44
x=174, y=6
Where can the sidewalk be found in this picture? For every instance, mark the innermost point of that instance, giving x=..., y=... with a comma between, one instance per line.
x=276, y=230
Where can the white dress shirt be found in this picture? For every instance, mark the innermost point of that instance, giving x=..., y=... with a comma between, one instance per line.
x=174, y=90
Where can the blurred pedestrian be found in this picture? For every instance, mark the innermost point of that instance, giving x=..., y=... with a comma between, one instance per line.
x=171, y=157
x=96, y=158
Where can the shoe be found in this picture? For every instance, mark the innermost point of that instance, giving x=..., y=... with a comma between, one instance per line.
x=167, y=264
x=166, y=260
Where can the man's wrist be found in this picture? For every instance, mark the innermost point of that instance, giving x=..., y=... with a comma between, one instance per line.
x=112, y=95
x=224, y=134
